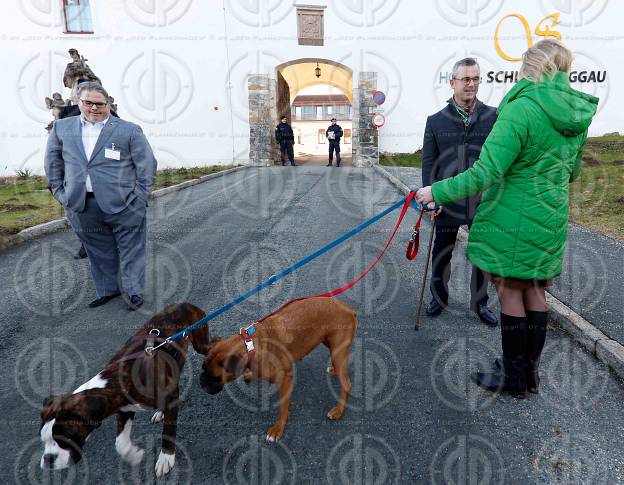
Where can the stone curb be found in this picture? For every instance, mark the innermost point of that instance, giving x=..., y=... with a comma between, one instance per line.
x=605, y=349
x=60, y=224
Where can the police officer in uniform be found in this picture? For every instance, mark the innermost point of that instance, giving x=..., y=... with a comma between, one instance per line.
x=285, y=137
x=333, y=134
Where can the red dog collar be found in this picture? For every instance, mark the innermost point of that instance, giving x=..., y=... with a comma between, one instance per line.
x=246, y=334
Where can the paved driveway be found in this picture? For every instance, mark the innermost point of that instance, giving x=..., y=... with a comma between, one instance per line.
x=413, y=418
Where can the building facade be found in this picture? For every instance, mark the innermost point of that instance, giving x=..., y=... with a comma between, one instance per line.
x=207, y=79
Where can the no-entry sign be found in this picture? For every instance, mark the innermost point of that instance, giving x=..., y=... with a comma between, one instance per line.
x=378, y=120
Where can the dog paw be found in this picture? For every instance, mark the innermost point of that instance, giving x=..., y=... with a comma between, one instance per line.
x=158, y=417
x=164, y=464
x=275, y=433
x=335, y=413
x=330, y=370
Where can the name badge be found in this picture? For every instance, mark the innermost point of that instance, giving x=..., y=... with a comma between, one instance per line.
x=112, y=154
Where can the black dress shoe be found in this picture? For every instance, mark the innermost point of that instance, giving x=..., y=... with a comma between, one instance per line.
x=134, y=302
x=103, y=300
x=434, y=308
x=81, y=254
x=486, y=316
x=329, y=164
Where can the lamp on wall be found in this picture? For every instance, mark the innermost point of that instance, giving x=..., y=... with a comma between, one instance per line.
x=317, y=71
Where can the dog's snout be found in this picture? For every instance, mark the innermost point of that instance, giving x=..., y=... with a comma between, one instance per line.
x=48, y=460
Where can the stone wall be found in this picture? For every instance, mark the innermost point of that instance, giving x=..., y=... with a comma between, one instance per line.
x=262, y=114
x=365, y=135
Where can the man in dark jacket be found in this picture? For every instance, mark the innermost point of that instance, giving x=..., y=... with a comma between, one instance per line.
x=285, y=137
x=452, y=143
x=334, y=134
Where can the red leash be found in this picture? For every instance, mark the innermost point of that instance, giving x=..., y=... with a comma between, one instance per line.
x=412, y=251
x=246, y=333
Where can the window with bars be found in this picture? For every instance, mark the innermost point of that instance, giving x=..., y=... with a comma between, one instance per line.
x=321, y=137
x=77, y=15
x=347, y=136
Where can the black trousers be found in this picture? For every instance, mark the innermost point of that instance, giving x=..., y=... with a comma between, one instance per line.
x=334, y=146
x=286, y=148
x=441, y=254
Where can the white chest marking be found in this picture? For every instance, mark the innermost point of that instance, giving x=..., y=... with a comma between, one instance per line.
x=94, y=383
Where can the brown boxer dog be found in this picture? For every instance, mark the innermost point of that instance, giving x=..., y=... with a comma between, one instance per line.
x=132, y=381
x=269, y=351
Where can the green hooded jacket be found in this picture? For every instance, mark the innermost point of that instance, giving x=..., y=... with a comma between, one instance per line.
x=526, y=165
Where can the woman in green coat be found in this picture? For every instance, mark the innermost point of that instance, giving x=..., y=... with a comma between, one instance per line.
x=518, y=235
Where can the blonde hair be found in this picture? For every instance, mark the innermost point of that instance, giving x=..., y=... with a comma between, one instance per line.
x=544, y=59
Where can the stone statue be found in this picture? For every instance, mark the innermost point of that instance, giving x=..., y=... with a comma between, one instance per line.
x=76, y=72
x=77, y=69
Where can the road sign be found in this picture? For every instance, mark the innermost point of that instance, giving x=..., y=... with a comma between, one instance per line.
x=378, y=120
x=379, y=97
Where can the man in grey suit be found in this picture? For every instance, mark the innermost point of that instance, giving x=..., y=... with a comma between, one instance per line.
x=101, y=169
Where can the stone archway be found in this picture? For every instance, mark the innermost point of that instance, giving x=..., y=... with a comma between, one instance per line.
x=271, y=96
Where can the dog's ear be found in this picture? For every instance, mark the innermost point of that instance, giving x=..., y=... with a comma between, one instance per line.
x=233, y=364
x=51, y=406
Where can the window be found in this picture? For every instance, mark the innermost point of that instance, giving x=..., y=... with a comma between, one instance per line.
x=347, y=136
x=308, y=112
x=329, y=110
x=298, y=112
x=321, y=136
x=77, y=14
x=319, y=112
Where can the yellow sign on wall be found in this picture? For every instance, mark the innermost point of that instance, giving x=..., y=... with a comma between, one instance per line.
x=543, y=29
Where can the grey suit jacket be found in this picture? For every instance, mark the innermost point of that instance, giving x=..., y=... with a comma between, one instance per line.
x=116, y=183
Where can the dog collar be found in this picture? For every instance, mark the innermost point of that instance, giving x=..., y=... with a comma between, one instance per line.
x=246, y=334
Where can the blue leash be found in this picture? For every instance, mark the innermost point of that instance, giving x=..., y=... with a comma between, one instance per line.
x=284, y=272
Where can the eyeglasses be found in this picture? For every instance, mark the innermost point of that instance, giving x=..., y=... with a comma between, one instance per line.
x=468, y=80
x=91, y=104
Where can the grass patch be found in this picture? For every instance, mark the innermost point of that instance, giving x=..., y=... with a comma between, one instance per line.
x=401, y=159
x=25, y=200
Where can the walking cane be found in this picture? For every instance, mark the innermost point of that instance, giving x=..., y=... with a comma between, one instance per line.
x=424, y=280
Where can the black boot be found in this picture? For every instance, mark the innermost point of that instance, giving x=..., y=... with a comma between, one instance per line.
x=536, y=336
x=512, y=376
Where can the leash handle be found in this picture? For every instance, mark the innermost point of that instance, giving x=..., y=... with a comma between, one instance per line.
x=414, y=242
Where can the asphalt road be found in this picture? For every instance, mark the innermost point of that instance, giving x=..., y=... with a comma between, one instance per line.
x=414, y=416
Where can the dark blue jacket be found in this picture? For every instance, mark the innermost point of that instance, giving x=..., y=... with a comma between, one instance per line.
x=449, y=148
